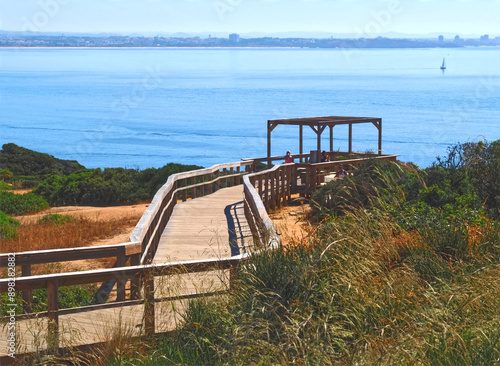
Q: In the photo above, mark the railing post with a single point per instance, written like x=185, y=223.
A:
x=184, y=192
x=135, y=282
x=278, y=188
x=149, y=303
x=120, y=282
x=53, y=307
x=217, y=183
x=284, y=184
x=260, y=185
x=233, y=273
x=266, y=191
x=27, y=295
x=224, y=173
x=237, y=180
x=202, y=187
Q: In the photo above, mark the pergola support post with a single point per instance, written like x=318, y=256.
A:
x=269, y=143
x=350, y=138
x=380, y=137
x=331, y=138
x=301, y=142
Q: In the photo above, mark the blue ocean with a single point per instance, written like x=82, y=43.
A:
x=141, y=108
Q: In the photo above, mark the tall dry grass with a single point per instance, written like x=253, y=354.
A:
x=81, y=232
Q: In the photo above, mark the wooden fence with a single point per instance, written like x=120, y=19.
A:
x=137, y=254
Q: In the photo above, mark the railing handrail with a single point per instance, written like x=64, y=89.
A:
x=347, y=161
x=71, y=254
x=102, y=275
x=307, y=155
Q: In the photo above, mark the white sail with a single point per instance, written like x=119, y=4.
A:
x=443, y=66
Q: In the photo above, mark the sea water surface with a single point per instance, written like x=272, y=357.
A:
x=141, y=108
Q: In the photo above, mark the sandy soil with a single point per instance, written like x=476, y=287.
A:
x=292, y=224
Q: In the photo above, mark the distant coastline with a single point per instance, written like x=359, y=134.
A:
x=235, y=41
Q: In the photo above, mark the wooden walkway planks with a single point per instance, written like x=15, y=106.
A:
x=213, y=226
x=205, y=228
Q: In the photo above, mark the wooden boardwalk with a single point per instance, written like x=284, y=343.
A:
x=202, y=228
x=213, y=226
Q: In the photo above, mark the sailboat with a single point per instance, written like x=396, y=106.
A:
x=443, y=66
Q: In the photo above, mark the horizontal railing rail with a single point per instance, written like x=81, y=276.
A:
x=126, y=252
x=71, y=254
x=306, y=157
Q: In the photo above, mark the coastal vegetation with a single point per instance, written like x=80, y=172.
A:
x=66, y=182
x=104, y=187
x=62, y=231
x=18, y=204
x=401, y=268
x=20, y=161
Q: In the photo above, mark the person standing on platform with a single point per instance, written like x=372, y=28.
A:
x=324, y=157
x=288, y=157
x=341, y=173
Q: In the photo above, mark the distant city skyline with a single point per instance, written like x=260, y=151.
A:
x=360, y=18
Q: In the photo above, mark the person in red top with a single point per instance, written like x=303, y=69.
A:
x=288, y=157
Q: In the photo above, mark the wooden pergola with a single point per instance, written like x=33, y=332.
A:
x=318, y=125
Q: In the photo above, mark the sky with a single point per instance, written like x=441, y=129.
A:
x=362, y=17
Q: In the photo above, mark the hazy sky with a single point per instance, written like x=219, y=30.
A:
x=365, y=17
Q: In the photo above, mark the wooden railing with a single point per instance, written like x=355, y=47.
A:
x=127, y=252
x=263, y=191
x=141, y=273
x=311, y=176
x=278, y=184
x=306, y=157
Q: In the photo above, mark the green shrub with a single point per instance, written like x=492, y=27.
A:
x=8, y=226
x=18, y=204
x=372, y=183
x=112, y=186
x=4, y=186
x=5, y=175
x=55, y=219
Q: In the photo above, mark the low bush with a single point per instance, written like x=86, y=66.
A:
x=18, y=204
x=56, y=219
x=4, y=186
x=8, y=226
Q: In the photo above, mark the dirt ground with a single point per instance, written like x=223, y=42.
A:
x=292, y=224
